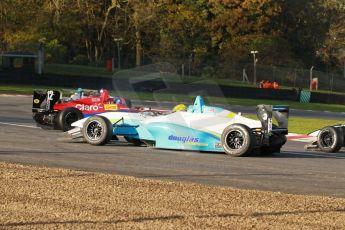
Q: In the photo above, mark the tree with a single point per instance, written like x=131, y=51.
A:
x=199, y=32
x=184, y=36
x=17, y=27
x=237, y=27
x=141, y=21
x=95, y=24
x=333, y=51
x=304, y=24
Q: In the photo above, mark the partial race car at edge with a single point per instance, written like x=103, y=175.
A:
x=329, y=139
x=51, y=110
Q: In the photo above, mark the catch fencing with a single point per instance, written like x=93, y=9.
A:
x=286, y=77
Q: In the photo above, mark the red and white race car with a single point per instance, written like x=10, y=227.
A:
x=51, y=110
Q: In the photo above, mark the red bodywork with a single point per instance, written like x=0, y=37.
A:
x=269, y=85
x=92, y=104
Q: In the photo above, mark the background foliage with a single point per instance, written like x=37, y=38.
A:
x=207, y=35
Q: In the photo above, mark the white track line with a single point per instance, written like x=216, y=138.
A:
x=26, y=126
x=14, y=95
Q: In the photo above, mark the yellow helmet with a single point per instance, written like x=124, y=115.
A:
x=180, y=107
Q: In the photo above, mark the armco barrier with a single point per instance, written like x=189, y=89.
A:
x=325, y=98
x=234, y=92
x=259, y=93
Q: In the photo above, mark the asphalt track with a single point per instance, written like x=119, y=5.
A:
x=292, y=171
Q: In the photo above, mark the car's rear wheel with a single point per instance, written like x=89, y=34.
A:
x=66, y=117
x=238, y=140
x=97, y=130
x=330, y=139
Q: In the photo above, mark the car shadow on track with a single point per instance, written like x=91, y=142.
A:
x=283, y=154
x=319, y=155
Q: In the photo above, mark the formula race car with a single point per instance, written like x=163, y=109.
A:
x=329, y=139
x=52, y=110
x=198, y=127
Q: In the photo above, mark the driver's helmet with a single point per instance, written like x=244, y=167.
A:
x=119, y=100
x=180, y=107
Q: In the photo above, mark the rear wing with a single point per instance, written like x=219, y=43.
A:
x=44, y=100
x=280, y=113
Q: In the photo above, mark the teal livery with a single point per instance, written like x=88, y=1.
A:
x=198, y=127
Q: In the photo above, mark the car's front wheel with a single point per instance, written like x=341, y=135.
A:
x=330, y=139
x=97, y=130
x=238, y=140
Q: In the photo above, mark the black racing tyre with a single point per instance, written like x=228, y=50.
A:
x=238, y=140
x=275, y=144
x=133, y=141
x=38, y=117
x=66, y=117
x=56, y=126
x=97, y=130
x=330, y=139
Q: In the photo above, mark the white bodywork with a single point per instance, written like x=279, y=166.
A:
x=209, y=122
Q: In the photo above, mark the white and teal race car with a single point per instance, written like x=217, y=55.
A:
x=200, y=128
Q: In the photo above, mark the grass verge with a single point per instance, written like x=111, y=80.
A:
x=305, y=126
x=42, y=198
